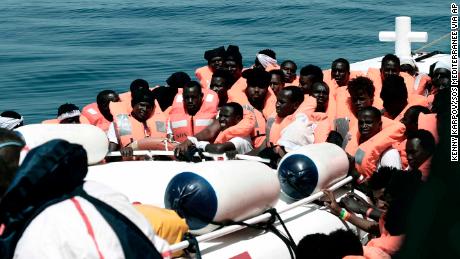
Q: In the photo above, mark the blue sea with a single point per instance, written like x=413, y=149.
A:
x=53, y=52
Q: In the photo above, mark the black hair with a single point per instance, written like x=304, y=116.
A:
x=418, y=109
x=277, y=72
x=320, y=83
x=345, y=242
x=426, y=139
x=226, y=75
x=142, y=96
x=314, y=71
x=314, y=246
x=217, y=52
x=268, y=52
x=341, y=60
x=391, y=57
x=375, y=112
x=393, y=87
x=11, y=114
x=67, y=107
x=233, y=53
x=101, y=97
x=380, y=178
x=193, y=84
x=164, y=96
x=361, y=83
x=178, y=79
x=334, y=137
x=297, y=95
x=138, y=84
x=257, y=77
x=288, y=61
x=237, y=108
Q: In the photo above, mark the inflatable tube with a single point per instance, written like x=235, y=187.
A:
x=92, y=138
x=219, y=191
x=140, y=181
x=312, y=168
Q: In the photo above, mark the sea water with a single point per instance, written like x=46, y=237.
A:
x=53, y=52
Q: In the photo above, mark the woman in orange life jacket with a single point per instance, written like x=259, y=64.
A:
x=215, y=58
x=420, y=147
x=289, y=69
x=277, y=80
x=165, y=95
x=136, y=125
x=98, y=114
x=266, y=59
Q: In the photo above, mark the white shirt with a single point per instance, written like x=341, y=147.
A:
x=242, y=145
x=60, y=231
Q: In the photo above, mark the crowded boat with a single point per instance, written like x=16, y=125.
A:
x=275, y=160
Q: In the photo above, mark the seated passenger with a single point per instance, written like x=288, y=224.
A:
x=409, y=66
x=215, y=58
x=221, y=81
x=193, y=110
x=309, y=75
x=98, y=113
x=289, y=69
x=277, y=82
x=68, y=113
x=321, y=117
x=339, y=75
x=136, y=85
x=420, y=147
x=266, y=59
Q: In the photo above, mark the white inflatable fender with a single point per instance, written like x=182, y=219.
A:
x=220, y=191
x=139, y=181
x=93, y=139
x=312, y=168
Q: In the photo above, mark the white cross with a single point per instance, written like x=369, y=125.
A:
x=403, y=36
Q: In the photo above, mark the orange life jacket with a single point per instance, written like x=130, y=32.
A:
x=333, y=86
x=308, y=105
x=323, y=126
x=420, y=81
x=237, y=94
x=429, y=122
x=368, y=153
x=184, y=125
x=295, y=82
x=374, y=75
x=204, y=75
x=412, y=100
x=95, y=117
x=128, y=129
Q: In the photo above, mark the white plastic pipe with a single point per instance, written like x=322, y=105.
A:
x=403, y=36
x=255, y=220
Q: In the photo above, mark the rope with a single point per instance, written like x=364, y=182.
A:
x=432, y=43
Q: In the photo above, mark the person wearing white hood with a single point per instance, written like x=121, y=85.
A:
x=11, y=120
x=441, y=75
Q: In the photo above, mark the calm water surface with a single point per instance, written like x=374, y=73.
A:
x=52, y=52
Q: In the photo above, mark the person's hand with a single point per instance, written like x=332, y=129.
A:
x=182, y=148
x=331, y=203
x=126, y=151
x=354, y=203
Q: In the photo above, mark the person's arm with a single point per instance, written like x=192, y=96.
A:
x=220, y=148
x=210, y=132
x=355, y=203
x=366, y=225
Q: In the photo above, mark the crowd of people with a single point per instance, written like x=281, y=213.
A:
x=386, y=120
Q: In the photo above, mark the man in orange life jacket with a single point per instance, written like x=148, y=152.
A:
x=221, y=81
x=215, y=58
x=192, y=111
x=165, y=95
x=309, y=75
x=137, y=125
x=289, y=69
x=277, y=81
x=98, y=114
x=394, y=96
x=340, y=71
x=420, y=147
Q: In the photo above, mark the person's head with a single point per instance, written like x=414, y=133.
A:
x=192, y=97
x=221, y=81
x=420, y=146
x=340, y=71
x=264, y=57
x=138, y=84
x=320, y=91
x=410, y=119
x=233, y=61
x=288, y=100
x=361, y=90
x=10, y=149
x=215, y=58
x=289, y=69
x=441, y=75
x=16, y=119
x=314, y=246
x=369, y=123
x=377, y=184
x=258, y=81
x=68, y=113
x=277, y=80
x=309, y=75
x=345, y=242
x=230, y=114
x=334, y=137
x=390, y=66
x=178, y=79
x=103, y=100
x=142, y=103
x=408, y=65
x=394, y=95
